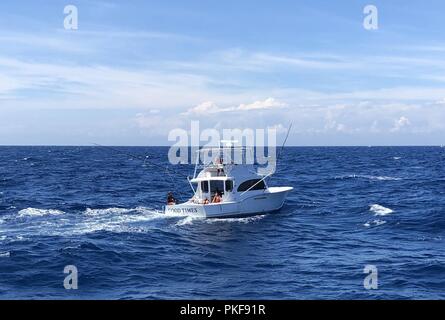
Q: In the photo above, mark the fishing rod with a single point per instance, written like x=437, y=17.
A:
x=144, y=164
x=285, y=140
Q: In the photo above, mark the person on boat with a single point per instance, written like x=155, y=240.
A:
x=217, y=198
x=170, y=199
x=205, y=201
x=220, y=169
x=194, y=199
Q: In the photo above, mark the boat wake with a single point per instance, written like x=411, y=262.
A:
x=53, y=222
x=237, y=220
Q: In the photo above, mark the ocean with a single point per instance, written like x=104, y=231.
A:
x=98, y=209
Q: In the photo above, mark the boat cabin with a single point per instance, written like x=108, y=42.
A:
x=226, y=177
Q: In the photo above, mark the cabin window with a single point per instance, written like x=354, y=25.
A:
x=229, y=185
x=246, y=185
x=204, y=186
x=216, y=185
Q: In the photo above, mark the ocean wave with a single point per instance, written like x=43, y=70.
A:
x=368, y=177
x=116, y=220
x=34, y=212
x=191, y=219
x=106, y=211
x=380, y=210
x=6, y=254
x=374, y=223
x=237, y=220
x=124, y=211
x=11, y=238
x=188, y=220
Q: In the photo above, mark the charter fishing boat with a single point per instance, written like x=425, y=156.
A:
x=224, y=188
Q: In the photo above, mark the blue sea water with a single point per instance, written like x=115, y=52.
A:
x=98, y=209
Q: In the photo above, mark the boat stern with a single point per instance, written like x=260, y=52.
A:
x=186, y=208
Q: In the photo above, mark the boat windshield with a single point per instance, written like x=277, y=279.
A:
x=216, y=186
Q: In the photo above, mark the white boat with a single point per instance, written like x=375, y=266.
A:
x=244, y=192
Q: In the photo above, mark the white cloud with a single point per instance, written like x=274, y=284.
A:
x=400, y=123
x=269, y=103
x=312, y=61
x=227, y=87
x=209, y=107
x=331, y=122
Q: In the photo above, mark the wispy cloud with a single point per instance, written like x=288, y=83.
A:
x=152, y=69
x=209, y=107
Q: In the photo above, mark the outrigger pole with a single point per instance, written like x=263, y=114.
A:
x=285, y=140
x=278, y=156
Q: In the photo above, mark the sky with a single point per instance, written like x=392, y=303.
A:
x=133, y=71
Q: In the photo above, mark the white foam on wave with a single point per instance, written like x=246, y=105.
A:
x=380, y=210
x=12, y=238
x=238, y=220
x=397, y=158
x=106, y=211
x=188, y=220
x=91, y=220
x=368, y=177
x=34, y=212
x=116, y=220
x=127, y=212
x=374, y=223
x=6, y=254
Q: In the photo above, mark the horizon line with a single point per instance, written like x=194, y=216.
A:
x=157, y=146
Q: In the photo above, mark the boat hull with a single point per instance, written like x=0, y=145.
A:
x=259, y=203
